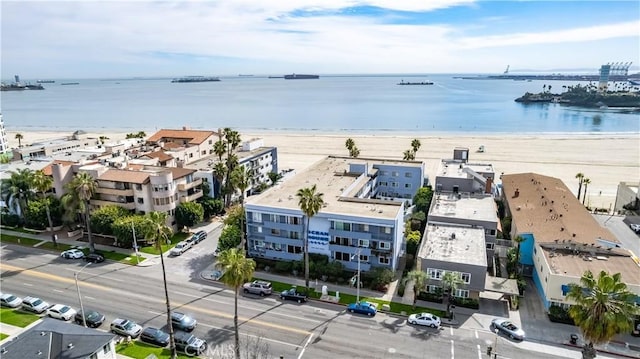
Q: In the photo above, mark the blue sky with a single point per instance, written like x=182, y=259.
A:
x=99, y=39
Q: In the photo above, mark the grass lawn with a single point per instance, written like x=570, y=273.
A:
x=138, y=349
x=19, y=240
x=20, y=229
x=178, y=237
x=349, y=298
x=3, y=336
x=16, y=317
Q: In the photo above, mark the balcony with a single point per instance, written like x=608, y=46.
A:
x=125, y=205
x=190, y=185
x=191, y=198
x=114, y=191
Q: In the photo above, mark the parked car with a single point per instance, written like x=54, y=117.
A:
x=426, y=319
x=259, y=287
x=61, y=311
x=94, y=319
x=10, y=300
x=506, y=327
x=189, y=343
x=125, y=328
x=35, y=305
x=72, y=254
x=154, y=336
x=363, y=307
x=94, y=257
x=294, y=294
x=197, y=237
x=180, y=248
x=183, y=322
x=635, y=227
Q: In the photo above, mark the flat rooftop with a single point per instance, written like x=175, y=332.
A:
x=332, y=178
x=458, y=169
x=570, y=264
x=477, y=208
x=454, y=244
x=209, y=161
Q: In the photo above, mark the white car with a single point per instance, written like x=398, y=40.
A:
x=635, y=227
x=10, y=300
x=61, y=311
x=180, y=248
x=34, y=304
x=72, y=254
x=426, y=319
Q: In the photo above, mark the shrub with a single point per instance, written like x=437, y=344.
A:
x=559, y=315
x=430, y=297
x=401, y=287
x=189, y=214
x=211, y=206
x=379, y=278
x=283, y=267
x=229, y=238
x=10, y=220
x=124, y=234
x=466, y=302
x=103, y=218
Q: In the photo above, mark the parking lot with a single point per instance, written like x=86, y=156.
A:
x=616, y=224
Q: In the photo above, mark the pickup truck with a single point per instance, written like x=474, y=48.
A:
x=294, y=294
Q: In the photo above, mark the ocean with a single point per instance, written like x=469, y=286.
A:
x=358, y=104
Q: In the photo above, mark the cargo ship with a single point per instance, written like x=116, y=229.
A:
x=195, y=79
x=46, y=81
x=402, y=83
x=300, y=77
x=19, y=86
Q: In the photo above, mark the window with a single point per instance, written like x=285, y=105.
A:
x=341, y=256
x=384, y=245
x=535, y=251
x=363, y=243
x=259, y=229
x=191, y=155
x=294, y=249
x=394, y=184
x=259, y=244
x=277, y=247
x=432, y=289
x=407, y=185
x=106, y=348
x=138, y=187
x=294, y=220
x=383, y=260
x=384, y=173
x=462, y=293
x=273, y=218
x=466, y=277
x=383, y=184
x=408, y=174
x=140, y=200
x=489, y=246
x=364, y=258
x=493, y=232
x=342, y=226
x=275, y=232
x=294, y=235
x=435, y=273
x=387, y=230
x=256, y=216
x=394, y=174
x=204, y=152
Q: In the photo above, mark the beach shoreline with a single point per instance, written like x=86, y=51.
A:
x=605, y=158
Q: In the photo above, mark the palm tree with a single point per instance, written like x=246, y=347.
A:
x=518, y=240
x=419, y=283
x=79, y=193
x=310, y=203
x=349, y=143
x=409, y=155
x=219, y=148
x=236, y=270
x=585, y=182
x=354, y=152
x=580, y=177
x=241, y=180
x=451, y=281
x=415, y=145
x=16, y=190
x=19, y=137
x=42, y=184
x=102, y=139
x=603, y=308
x=156, y=229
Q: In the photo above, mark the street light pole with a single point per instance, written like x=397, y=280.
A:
x=495, y=349
x=75, y=275
x=358, y=276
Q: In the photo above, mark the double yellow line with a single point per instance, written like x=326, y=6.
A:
x=33, y=273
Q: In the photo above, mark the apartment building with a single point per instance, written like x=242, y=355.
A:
x=458, y=249
x=360, y=218
x=562, y=239
x=185, y=145
x=60, y=146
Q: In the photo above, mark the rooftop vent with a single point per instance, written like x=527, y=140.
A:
x=70, y=346
x=573, y=235
x=3, y=351
x=453, y=236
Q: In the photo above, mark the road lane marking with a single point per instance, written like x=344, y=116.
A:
x=479, y=352
x=58, y=291
x=452, y=352
x=88, y=297
x=476, y=333
x=451, y=330
x=35, y=273
x=305, y=346
x=28, y=284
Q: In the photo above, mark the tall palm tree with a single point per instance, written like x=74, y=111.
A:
x=102, y=139
x=451, y=281
x=603, y=308
x=16, y=190
x=580, y=177
x=419, y=283
x=241, y=180
x=236, y=270
x=518, y=240
x=585, y=182
x=156, y=229
x=19, y=137
x=354, y=152
x=408, y=155
x=310, y=203
x=219, y=148
x=349, y=143
x=79, y=193
x=219, y=172
x=415, y=145
x=42, y=184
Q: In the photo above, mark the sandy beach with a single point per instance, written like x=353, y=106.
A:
x=606, y=159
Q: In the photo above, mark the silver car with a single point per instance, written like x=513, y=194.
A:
x=10, y=300
x=125, y=328
x=507, y=327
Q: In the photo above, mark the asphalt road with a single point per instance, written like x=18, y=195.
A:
x=312, y=330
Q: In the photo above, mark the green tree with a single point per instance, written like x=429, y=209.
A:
x=219, y=148
x=236, y=270
x=230, y=237
x=19, y=137
x=189, y=214
x=219, y=173
x=419, y=279
x=422, y=199
x=580, y=177
x=103, y=218
x=603, y=308
x=102, y=139
x=123, y=229
x=349, y=144
x=310, y=201
x=354, y=152
x=42, y=184
x=235, y=217
x=231, y=140
x=415, y=145
x=211, y=206
x=77, y=198
x=39, y=211
x=241, y=180
x=156, y=229
x=274, y=177
x=408, y=155
x=413, y=241
x=451, y=282
x=16, y=190
x=518, y=240
x=586, y=183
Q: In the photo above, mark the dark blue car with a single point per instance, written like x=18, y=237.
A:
x=363, y=307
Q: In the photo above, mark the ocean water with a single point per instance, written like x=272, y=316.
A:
x=366, y=104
